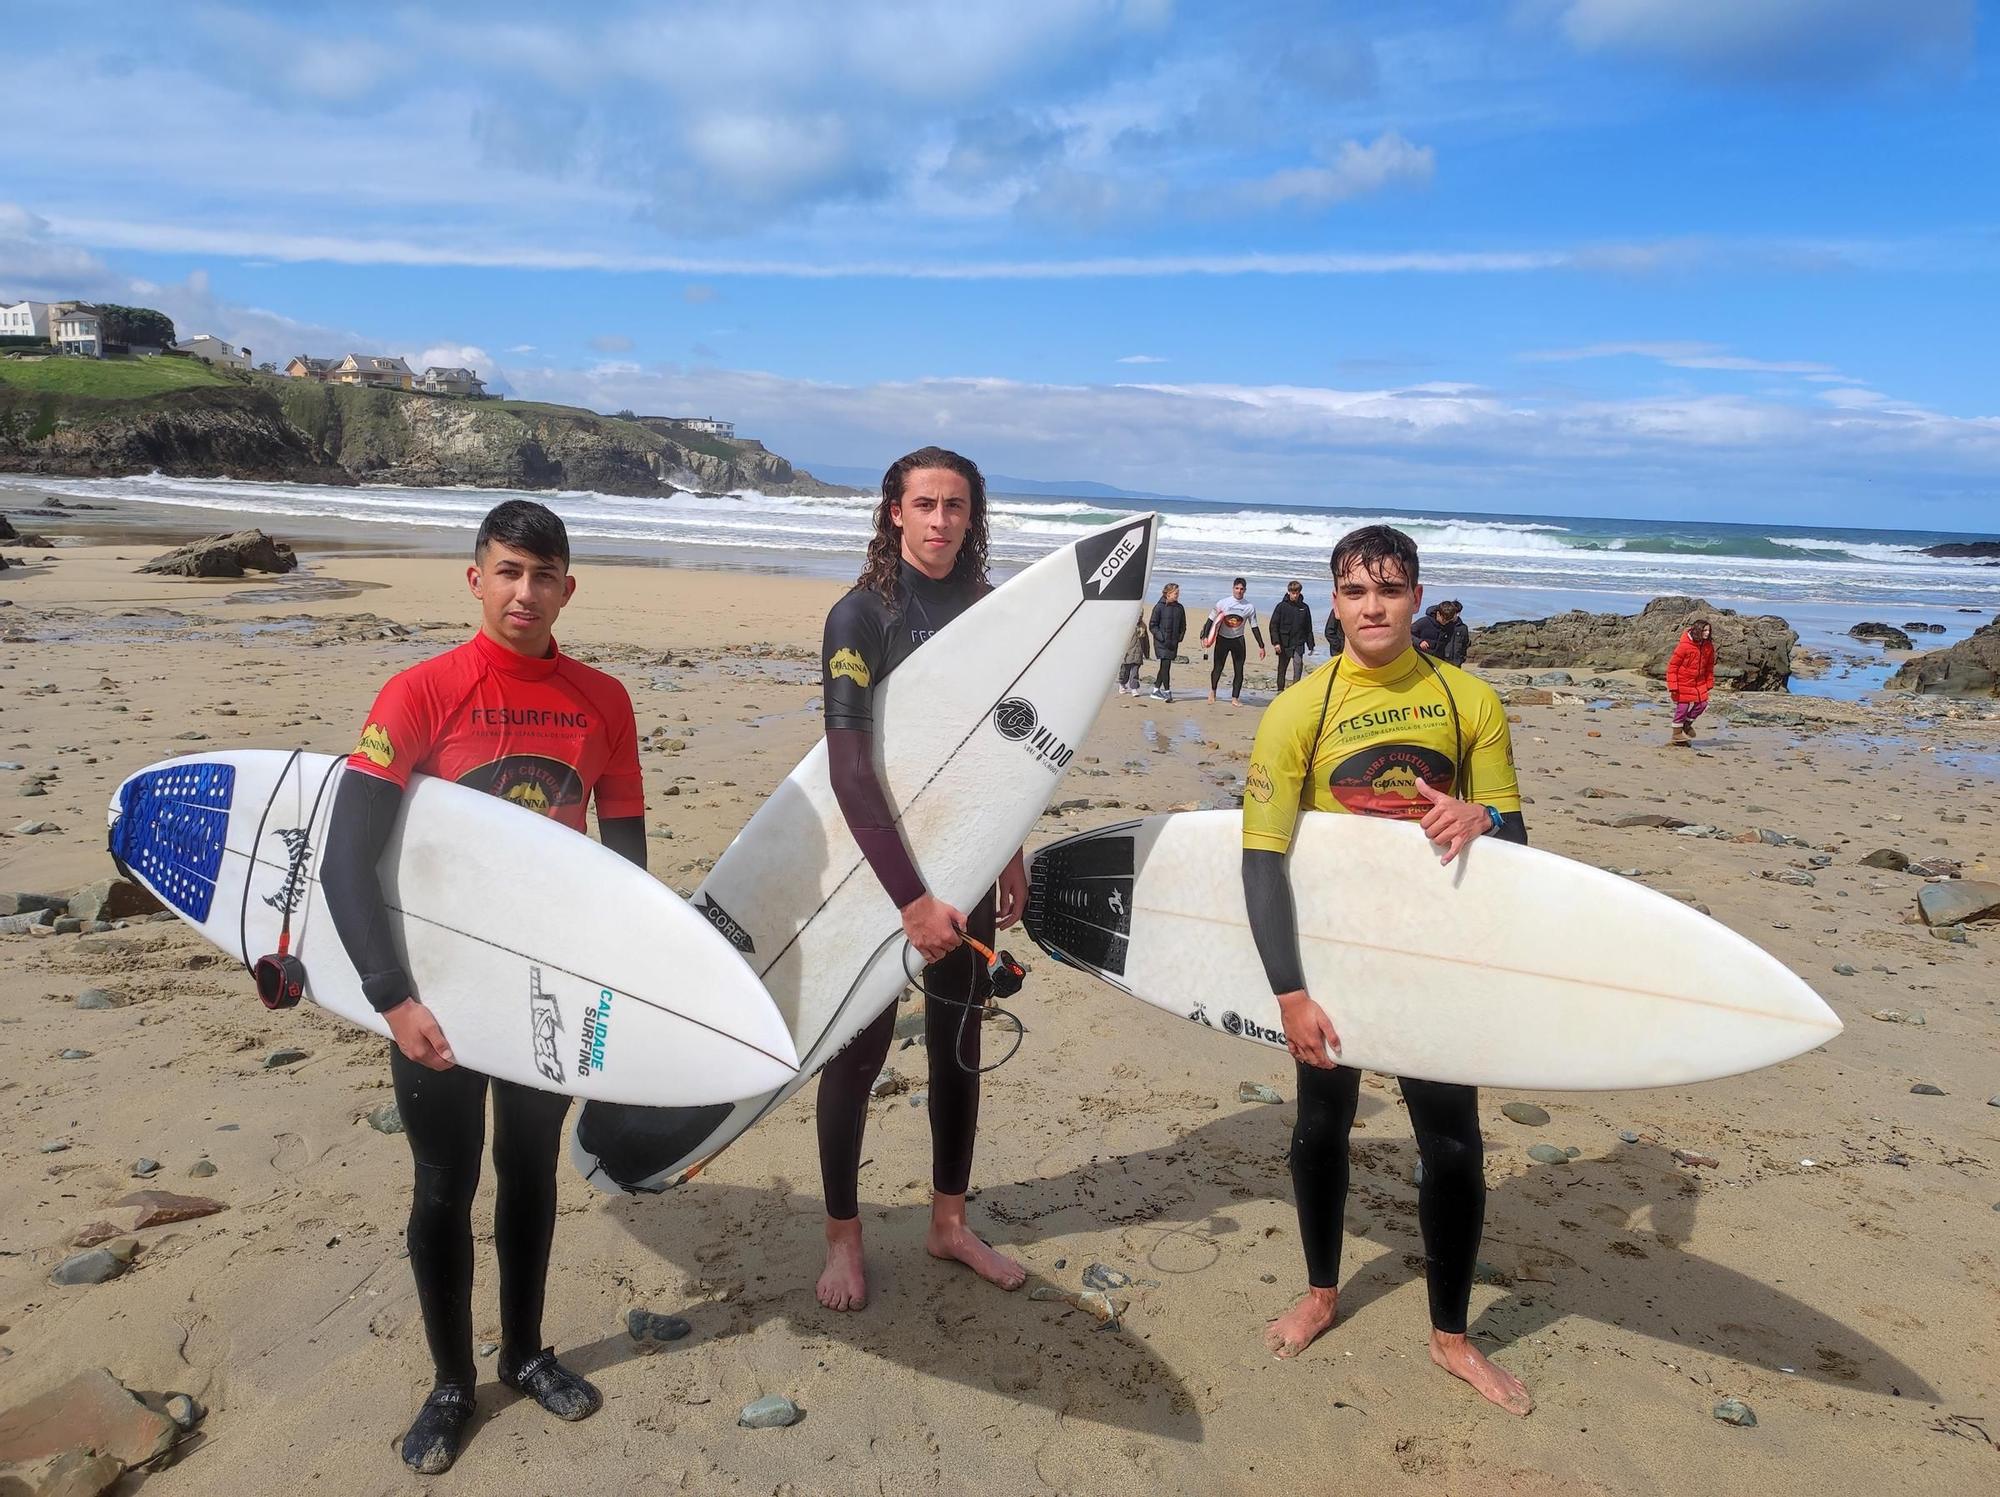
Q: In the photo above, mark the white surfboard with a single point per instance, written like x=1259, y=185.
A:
x=1510, y=967
x=547, y=958
x=972, y=732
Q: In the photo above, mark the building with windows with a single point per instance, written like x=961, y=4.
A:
x=213, y=350
x=306, y=367
x=26, y=319
x=371, y=369
x=706, y=425
x=80, y=331
x=463, y=382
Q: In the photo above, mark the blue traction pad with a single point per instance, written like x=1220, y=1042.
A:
x=172, y=825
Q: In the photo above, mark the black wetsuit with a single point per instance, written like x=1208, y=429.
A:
x=866, y=639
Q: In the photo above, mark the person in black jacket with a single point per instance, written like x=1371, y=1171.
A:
x=1336, y=637
x=1292, y=633
x=1169, y=627
x=1441, y=633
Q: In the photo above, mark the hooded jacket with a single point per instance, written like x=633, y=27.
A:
x=1169, y=628
x=1442, y=641
x=1291, y=624
x=1691, y=670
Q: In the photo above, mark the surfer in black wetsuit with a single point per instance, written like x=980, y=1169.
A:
x=926, y=565
x=455, y=717
x=1321, y=747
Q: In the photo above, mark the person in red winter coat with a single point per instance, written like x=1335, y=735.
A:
x=1690, y=678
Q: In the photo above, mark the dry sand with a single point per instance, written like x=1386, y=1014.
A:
x=1850, y=1300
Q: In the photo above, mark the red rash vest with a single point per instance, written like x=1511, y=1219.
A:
x=544, y=734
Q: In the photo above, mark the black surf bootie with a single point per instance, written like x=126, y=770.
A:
x=433, y=1440
x=563, y=1393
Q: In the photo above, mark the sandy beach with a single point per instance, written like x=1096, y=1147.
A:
x=1838, y=1268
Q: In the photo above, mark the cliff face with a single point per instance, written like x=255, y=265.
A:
x=293, y=429
x=1751, y=653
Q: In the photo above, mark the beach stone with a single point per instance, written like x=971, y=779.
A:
x=1794, y=876
x=201, y=1169
x=1934, y=868
x=142, y=1167
x=1886, y=857
x=158, y=1208
x=1890, y=636
x=1751, y=653
x=184, y=1411
x=35, y=828
x=1897, y=1016
x=100, y=998
x=1925, y=1089
x=1960, y=900
x=55, y=1146
x=1530, y=696
x=1103, y=1277
x=1547, y=1154
x=1552, y=678
x=279, y=1059
x=386, y=1119
x=228, y=555
x=1736, y=1411
x=773, y=1412
x=1525, y=1113
x=92, y=1411
x=95, y=1233
x=1649, y=818
x=33, y=788
x=91, y=1266
x=650, y=1330
x=29, y=904
x=1843, y=969
x=68, y=925
x=1627, y=1136
x=1256, y=1091
x=73, y=1054
x=112, y=899
x=1699, y=1161
x=487, y=1348
x=74, y=1473
x=1952, y=933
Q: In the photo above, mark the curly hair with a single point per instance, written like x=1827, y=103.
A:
x=885, y=548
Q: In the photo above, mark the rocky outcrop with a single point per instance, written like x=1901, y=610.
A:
x=225, y=556
x=1969, y=668
x=7, y=531
x=1966, y=550
x=1752, y=653
x=1890, y=637
x=230, y=432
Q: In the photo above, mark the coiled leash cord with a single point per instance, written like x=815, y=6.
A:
x=1003, y=972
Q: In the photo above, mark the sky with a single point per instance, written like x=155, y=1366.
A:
x=1695, y=259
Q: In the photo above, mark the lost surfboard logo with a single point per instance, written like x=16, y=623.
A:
x=544, y=1023
x=297, y=849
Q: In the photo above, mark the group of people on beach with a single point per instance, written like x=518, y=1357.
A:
x=1440, y=633
x=508, y=705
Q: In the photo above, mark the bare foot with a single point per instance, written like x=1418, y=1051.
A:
x=1493, y=1382
x=1303, y=1324
x=950, y=1238
x=844, y=1283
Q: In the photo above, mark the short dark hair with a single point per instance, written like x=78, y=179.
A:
x=525, y=526
x=1240, y=582
x=1371, y=548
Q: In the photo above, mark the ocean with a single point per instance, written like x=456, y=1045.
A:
x=1822, y=579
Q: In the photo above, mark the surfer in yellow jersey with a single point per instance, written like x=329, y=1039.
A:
x=1380, y=730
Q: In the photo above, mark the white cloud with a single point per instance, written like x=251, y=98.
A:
x=1686, y=356
x=1348, y=170
x=1142, y=358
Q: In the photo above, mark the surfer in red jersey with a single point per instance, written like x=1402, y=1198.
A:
x=1381, y=730
x=507, y=713
x=926, y=565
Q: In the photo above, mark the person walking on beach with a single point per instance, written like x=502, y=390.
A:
x=1690, y=679
x=926, y=565
x=1292, y=632
x=1137, y=648
x=510, y=714
x=1223, y=638
x=1441, y=633
x=1381, y=730
x=1169, y=627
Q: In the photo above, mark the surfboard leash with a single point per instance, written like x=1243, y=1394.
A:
x=1003, y=973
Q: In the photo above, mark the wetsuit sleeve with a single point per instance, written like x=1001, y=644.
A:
x=624, y=835
x=850, y=760
x=1267, y=894
x=1275, y=781
x=1255, y=632
x=401, y=728
x=365, y=807
x=621, y=789
x=1490, y=766
x=850, y=657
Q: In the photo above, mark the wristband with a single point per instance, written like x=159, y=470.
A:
x=1499, y=824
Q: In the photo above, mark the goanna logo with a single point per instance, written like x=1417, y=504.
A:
x=1019, y=721
x=1250, y=1029
x=848, y=663
x=596, y=1024
x=297, y=849
x=545, y=1023
x=732, y=932
x=375, y=746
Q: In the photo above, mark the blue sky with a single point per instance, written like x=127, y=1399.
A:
x=1729, y=259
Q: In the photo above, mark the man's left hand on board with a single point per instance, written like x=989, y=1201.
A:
x=1451, y=823
x=1013, y=902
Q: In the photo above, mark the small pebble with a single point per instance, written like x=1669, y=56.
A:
x=1525, y=1113
x=651, y=1330
x=100, y=998
x=487, y=1348
x=1256, y=1091
x=1925, y=1089
x=1572, y=1151
x=1736, y=1411
x=1103, y=1276
x=184, y=1411
x=1547, y=1154
x=1843, y=969
x=74, y=1055
x=285, y=1057
x=386, y=1119
x=55, y=1146
x=1271, y=1278
x=143, y=1167
x=1689, y=1156
x=774, y=1412
x=201, y=1169
x=1627, y=1136
x=92, y=1266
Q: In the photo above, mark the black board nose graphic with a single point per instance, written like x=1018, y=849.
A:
x=1080, y=901
x=1113, y=565
x=632, y=1144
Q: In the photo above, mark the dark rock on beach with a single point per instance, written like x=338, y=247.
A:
x=1966, y=550
x=230, y=555
x=1958, y=900
x=1752, y=653
x=1889, y=635
x=1969, y=668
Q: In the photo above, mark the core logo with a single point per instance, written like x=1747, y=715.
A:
x=375, y=746
x=544, y=1022
x=1250, y=1029
x=1112, y=565
x=848, y=663
x=596, y=1020
x=732, y=932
